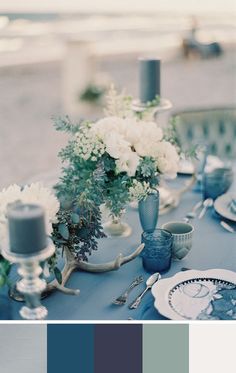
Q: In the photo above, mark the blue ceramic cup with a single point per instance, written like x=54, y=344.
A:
x=156, y=254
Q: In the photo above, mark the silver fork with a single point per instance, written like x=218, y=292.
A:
x=122, y=299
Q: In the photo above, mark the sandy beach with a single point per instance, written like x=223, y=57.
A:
x=31, y=95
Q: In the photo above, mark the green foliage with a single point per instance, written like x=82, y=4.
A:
x=80, y=191
x=78, y=230
x=171, y=135
x=5, y=268
x=147, y=167
x=147, y=171
x=93, y=93
x=116, y=192
x=64, y=124
x=155, y=102
x=148, y=109
x=58, y=274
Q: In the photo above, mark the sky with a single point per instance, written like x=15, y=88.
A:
x=180, y=6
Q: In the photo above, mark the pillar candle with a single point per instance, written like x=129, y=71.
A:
x=27, y=233
x=150, y=79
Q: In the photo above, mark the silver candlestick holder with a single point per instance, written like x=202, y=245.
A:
x=162, y=106
x=31, y=285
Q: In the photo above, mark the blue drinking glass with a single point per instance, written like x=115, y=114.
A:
x=217, y=182
x=148, y=211
x=156, y=254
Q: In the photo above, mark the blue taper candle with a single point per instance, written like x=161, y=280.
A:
x=27, y=232
x=150, y=79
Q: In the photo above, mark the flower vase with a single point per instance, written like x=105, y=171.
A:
x=115, y=227
x=148, y=211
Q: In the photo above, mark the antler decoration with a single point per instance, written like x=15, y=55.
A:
x=73, y=264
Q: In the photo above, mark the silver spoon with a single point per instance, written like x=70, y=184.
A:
x=206, y=204
x=227, y=227
x=150, y=281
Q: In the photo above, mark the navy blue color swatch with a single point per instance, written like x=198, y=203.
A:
x=118, y=349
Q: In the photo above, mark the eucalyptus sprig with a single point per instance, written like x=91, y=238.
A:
x=64, y=124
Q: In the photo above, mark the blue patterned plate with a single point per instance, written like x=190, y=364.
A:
x=197, y=295
x=222, y=206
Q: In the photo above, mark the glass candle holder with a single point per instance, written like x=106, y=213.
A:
x=156, y=255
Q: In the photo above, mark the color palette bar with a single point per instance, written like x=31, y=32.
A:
x=118, y=348
x=129, y=348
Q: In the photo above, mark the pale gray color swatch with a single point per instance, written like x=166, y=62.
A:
x=23, y=348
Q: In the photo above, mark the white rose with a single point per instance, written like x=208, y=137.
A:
x=116, y=145
x=105, y=125
x=37, y=193
x=128, y=162
x=143, y=148
x=167, y=158
x=133, y=131
x=149, y=139
x=7, y=196
x=151, y=131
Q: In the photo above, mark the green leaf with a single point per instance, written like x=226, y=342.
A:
x=58, y=275
x=64, y=231
x=75, y=218
x=6, y=266
x=59, y=240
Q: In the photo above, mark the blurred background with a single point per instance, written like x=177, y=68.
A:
x=60, y=57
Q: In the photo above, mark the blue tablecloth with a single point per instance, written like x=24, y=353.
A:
x=213, y=247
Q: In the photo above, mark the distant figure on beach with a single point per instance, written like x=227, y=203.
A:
x=192, y=47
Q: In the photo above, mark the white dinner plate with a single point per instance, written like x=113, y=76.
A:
x=222, y=206
x=196, y=295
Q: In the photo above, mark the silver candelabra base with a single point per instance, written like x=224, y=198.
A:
x=31, y=285
x=163, y=106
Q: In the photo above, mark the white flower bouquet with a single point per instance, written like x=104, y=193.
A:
x=129, y=142
x=35, y=193
x=117, y=156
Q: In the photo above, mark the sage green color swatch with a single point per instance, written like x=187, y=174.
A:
x=166, y=348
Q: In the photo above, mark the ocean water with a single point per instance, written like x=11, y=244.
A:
x=28, y=24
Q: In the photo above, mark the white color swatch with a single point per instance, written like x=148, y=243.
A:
x=23, y=348
x=212, y=348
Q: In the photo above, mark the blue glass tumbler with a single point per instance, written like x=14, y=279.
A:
x=148, y=211
x=156, y=254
